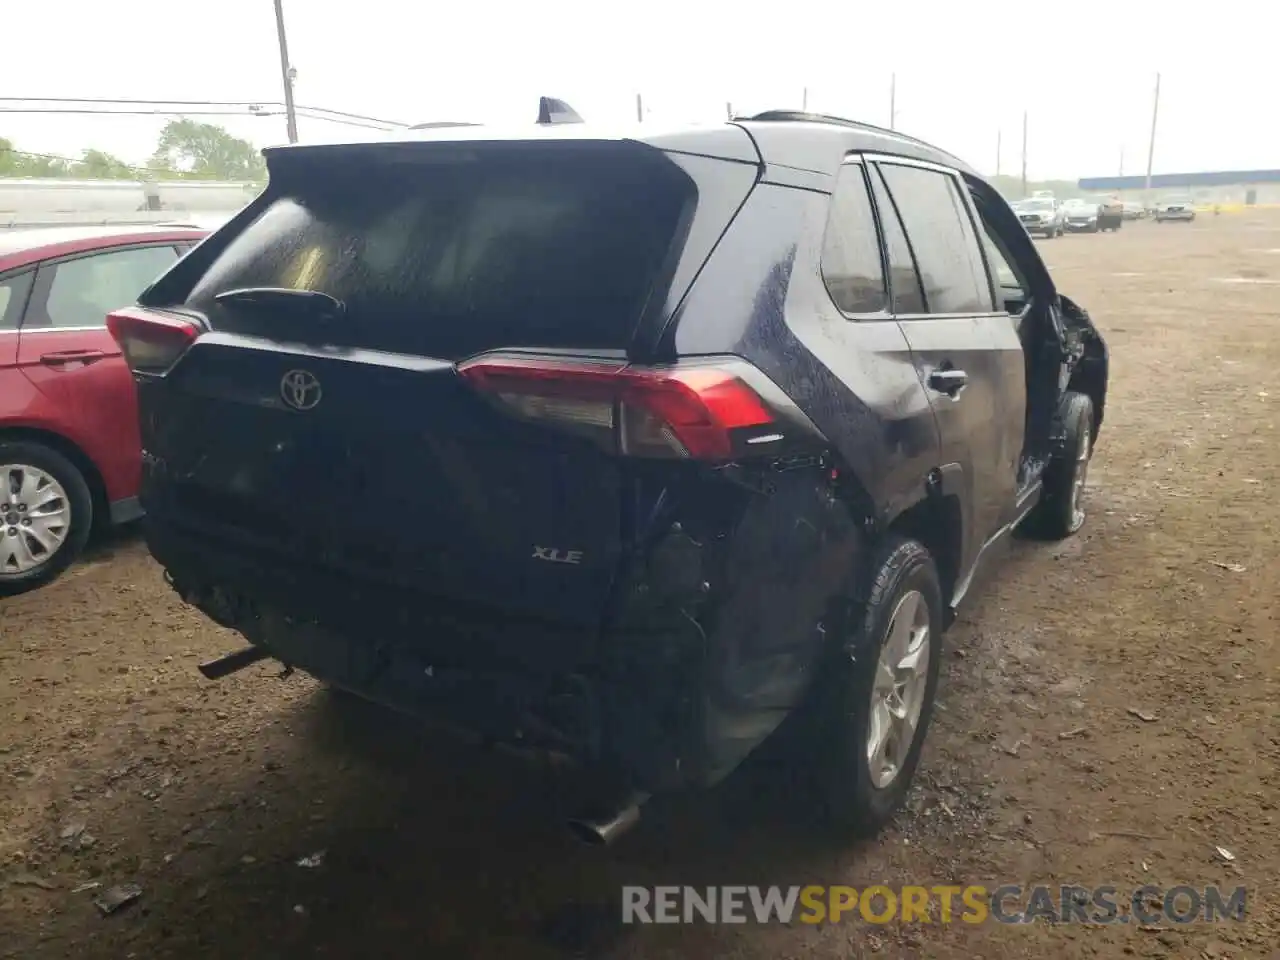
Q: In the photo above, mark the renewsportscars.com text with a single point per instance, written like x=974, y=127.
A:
x=1009, y=903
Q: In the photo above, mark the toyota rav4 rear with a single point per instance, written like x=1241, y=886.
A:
x=402, y=431
x=520, y=434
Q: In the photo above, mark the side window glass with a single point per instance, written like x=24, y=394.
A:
x=904, y=278
x=13, y=298
x=942, y=238
x=84, y=291
x=1006, y=275
x=851, y=264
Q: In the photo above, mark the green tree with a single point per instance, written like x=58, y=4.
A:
x=16, y=163
x=8, y=159
x=206, y=151
x=100, y=165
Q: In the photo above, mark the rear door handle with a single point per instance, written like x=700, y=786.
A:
x=948, y=381
x=71, y=356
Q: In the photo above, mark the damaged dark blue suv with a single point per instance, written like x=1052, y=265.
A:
x=629, y=447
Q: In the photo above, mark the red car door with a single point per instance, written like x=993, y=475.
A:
x=64, y=349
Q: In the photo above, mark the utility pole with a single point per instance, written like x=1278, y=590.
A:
x=804, y=100
x=286, y=72
x=893, y=101
x=1122, y=159
x=1151, y=148
x=639, y=109
x=728, y=110
x=1024, y=153
x=999, y=134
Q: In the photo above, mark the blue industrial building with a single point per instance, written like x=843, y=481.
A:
x=1215, y=186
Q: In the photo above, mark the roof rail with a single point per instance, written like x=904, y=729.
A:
x=801, y=116
x=551, y=110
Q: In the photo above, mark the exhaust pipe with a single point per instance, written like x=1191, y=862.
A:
x=232, y=662
x=600, y=831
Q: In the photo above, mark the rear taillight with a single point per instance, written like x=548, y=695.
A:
x=152, y=342
x=699, y=412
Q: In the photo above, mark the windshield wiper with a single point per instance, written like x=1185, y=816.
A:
x=313, y=303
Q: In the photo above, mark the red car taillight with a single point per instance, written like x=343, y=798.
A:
x=152, y=342
x=686, y=413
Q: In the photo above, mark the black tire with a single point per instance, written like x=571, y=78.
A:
x=68, y=476
x=1060, y=512
x=854, y=804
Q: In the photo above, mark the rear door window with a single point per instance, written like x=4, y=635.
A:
x=13, y=298
x=538, y=247
x=904, y=278
x=942, y=237
x=851, y=265
x=83, y=291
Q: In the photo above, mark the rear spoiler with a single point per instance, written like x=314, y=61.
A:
x=551, y=110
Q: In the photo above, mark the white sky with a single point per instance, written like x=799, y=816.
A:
x=1083, y=71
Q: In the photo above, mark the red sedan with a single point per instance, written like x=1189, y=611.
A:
x=70, y=457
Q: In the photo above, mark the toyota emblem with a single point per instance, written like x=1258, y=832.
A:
x=300, y=389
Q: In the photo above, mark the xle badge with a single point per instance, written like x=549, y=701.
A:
x=556, y=555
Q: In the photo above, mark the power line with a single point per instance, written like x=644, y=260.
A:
x=129, y=113
x=302, y=111
x=197, y=103
x=74, y=162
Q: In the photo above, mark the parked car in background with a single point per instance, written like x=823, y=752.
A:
x=1080, y=215
x=717, y=447
x=1134, y=210
x=70, y=457
x=1175, y=209
x=1041, y=216
x=1110, y=213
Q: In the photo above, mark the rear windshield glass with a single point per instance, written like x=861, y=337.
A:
x=544, y=248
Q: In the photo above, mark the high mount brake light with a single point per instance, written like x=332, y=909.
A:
x=676, y=412
x=151, y=342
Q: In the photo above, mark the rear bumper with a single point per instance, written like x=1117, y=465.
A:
x=1177, y=215
x=709, y=640
x=528, y=684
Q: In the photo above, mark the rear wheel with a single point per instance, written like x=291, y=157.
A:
x=46, y=514
x=874, y=716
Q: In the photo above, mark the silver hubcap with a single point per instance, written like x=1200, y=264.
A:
x=897, y=695
x=35, y=518
x=1081, y=475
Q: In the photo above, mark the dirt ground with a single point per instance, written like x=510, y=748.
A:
x=1108, y=716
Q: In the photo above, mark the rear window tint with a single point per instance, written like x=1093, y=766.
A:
x=13, y=298
x=942, y=239
x=851, y=264
x=904, y=279
x=540, y=248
